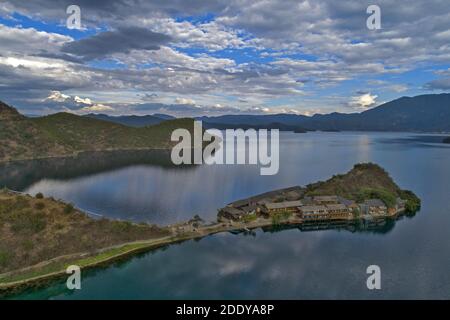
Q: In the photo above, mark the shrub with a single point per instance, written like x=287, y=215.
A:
x=122, y=226
x=39, y=205
x=29, y=222
x=4, y=258
x=28, y=245
x=249, y=217
x=413, y=203
x=387, y=197
x=68, y=208
x=277, y=218
x=39, y=195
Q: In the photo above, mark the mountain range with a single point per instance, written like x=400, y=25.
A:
x=423, y=113
x=62, y=134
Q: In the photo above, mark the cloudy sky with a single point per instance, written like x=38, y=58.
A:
x=192, y=57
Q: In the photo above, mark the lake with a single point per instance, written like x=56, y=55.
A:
x=413, y=252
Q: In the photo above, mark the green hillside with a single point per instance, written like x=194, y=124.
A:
x=65, y=134
x=365, y=181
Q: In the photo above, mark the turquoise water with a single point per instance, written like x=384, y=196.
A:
x=413, y=253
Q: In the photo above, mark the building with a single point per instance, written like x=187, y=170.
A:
x=231, y=213
x=374, y=207
x=323, y=200
x=400, y=204
x=309, y=213
x=289, y=206
x=338, y=211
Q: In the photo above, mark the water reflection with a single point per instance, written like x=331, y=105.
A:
x=238, y=265
x=414, y=254
x=22, y=174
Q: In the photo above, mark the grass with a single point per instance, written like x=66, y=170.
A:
x=61, y=266
x=279, y=217
x=249, y=218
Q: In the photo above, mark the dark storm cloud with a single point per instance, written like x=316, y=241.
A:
x=122, y=40
x=118, y=11
x=61, y=56
x=438, y=84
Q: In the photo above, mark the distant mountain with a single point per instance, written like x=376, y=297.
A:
x=244, y=126
x=424, y=113
x=288, y=119
x=66, y=134
x=132, y=120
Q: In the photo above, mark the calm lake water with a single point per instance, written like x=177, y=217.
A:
x=413, y=253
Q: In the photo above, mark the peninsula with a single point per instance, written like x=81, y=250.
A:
x=40, y=237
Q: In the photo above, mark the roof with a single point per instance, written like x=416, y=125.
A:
x=339, y=206
x=284, y=204
x=249, y=208
x=345, y=201
x=326, y=198
x=374, y=203
x=314, y=208
x=232, y=210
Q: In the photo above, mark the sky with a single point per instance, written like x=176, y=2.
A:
x=214, y=57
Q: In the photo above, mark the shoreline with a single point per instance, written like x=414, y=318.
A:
x=76, y=154
x=43, y=273
x=47, y=271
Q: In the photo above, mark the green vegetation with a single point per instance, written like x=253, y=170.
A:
x=35, y=230
x=249, y=218
x=39, y=205
x=65, y=134
x=365, y=181
x=279, y=217
x=413, y=203
x=389, y=198
x=4, y=258
x=68, y=208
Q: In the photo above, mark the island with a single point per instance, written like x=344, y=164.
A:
x=446, y=140
x=40, y=236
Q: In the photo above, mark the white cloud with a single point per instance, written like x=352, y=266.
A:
x=364, y=101
x=184, y=101
x=97, y=108
x=83, y=101
x=29, y=40
x=75, y=103
x=57, y=96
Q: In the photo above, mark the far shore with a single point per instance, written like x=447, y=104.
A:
x=77, y=153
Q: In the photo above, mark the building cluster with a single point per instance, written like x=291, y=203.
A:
x=329, y=207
